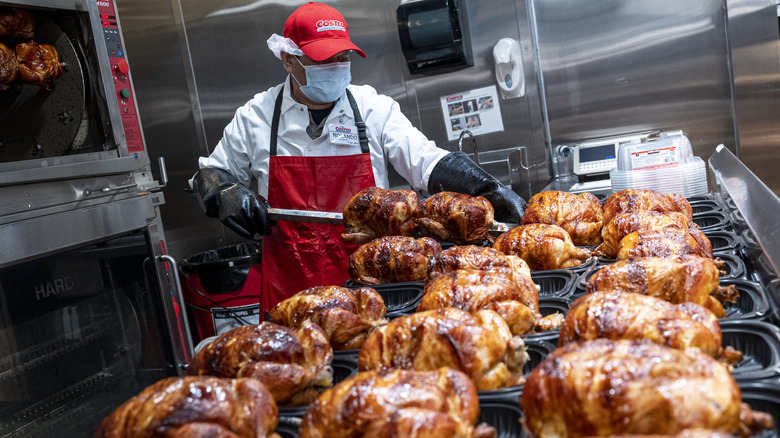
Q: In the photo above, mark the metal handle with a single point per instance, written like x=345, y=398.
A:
x=163, y=173
x=88, y=192
x=174, y=272
x=473, y=143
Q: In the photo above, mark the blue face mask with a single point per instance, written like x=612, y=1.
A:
x=325, y=83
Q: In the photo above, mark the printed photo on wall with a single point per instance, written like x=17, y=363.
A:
x=476, y=110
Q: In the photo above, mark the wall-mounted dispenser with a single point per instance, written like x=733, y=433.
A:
x=434, y=35
x=510, y=75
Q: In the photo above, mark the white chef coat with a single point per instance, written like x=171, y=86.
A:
x=244, y=147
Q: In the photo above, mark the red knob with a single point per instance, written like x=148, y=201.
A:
x=122, y=67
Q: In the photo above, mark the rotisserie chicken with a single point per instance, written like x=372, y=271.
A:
x=478, y=344
x=665, y=242
x=375, y=212
x=689, y=279
x=347, y=316
x=481, y=258
x=39, y=64
x=580, y=215
x=542, y=246
x=625, y=315
x=624, y=224
x=397, y=403
x=8, y=66
x=17, y=23
x=392, y=259
x=195, y=407
x=472, y=290
x=631, y=200
x=293, y=364
x=456, y=217
x=608, y=388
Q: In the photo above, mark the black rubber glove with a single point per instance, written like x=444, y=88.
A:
x=457, y=173
x=221, y=196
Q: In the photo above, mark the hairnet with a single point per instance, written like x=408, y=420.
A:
x=278, y=43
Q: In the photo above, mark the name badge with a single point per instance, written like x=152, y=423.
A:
x=343, y=134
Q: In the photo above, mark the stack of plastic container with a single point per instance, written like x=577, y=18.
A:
x=666, y=165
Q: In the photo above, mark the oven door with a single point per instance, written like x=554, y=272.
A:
x=84, y=321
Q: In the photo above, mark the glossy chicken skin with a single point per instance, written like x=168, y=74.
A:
x=347, y=316
x=624, y=224
x=480, y=345
x=686, y=280
x=17, y=23
x=473, y=290
x=456, y=217
x=397, y=403
x=195, y=407
x=375, y=212
x=606, y=388
x=392, y=259
x=8, y=66
x=293, y=364
x=665, y=242
x=580, y=215
x=39, y=64
x=632, y=316
x=542, y=246
x=479, y=258
x=631, y=200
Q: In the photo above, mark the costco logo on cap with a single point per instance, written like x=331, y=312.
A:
x=324, y=25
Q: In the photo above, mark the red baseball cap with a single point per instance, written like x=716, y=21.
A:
x=320, y=31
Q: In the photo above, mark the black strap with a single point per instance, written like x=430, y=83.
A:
x=361, y=125
x=275, y=120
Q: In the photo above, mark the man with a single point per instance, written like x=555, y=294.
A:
x=311, y=143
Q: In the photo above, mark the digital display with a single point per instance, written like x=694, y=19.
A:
x=597, y=153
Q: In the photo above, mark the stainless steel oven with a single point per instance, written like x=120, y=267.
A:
x=89, y=300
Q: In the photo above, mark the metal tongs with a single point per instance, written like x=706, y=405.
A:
x=327, y=217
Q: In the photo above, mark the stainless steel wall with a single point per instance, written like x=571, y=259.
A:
x=606, y=67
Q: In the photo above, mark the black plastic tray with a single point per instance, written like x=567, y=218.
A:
x=538, y=350
x=734, y=267
x=704, y=206
x=400, y=298
x=759, y=343
x=548, y=306
x=713, y=220
x=751, y=304
x=581, y=267
x=555, y=283
x=722, y=240
x=764, y=397
x=504, y=416
x=287, y=427
x=342, y=368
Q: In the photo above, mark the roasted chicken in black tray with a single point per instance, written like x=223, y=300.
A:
x=473, y=290
x=608, y=388
x=346, y=316
x=295, y=365
x=626, y=315
x=623, y=224
x=392, y=259
x=478, y=344
x=397, y=403
x=542, y=246
x=631, y=200
x=580, y=215
x=481, y=258
x=665, y=242
x=689, y=279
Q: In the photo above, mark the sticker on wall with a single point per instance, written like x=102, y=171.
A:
x=475, y=110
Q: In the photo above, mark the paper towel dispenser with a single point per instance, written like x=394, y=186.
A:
x=434, y=35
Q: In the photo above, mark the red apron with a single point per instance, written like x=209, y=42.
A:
x=300, y=255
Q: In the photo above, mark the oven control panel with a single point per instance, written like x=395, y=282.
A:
x=120, y=71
